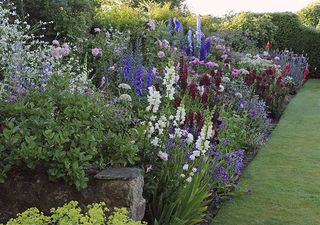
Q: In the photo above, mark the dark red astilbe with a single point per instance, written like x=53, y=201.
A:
x=193, y=91
x=177, y=101
x=199, y=119
x=218, y=82
x=219, y=72
x=190, y=119
x=205, y=98
x=181, y=63
x=184, y=77
x=205, y=81
x=212, y=73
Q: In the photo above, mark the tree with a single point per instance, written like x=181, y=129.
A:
x=310, y=15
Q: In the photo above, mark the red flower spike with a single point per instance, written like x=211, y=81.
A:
x=218, y=82
x=212, y=73
x=184, y=77
x=177, y=101
x=191, y=119
x=199, y=120
x=193, y=91
x=205, y=98
x=205, y=81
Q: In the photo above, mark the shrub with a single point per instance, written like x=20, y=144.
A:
x=70, y=213
x=64, y=132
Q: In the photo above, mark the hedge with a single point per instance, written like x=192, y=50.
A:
x=291, y=34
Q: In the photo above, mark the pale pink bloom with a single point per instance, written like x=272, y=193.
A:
x=211, y=64
x=161, y=54
x=56, y=43
x=96, y=52
x=163, y=156
x=97, y=30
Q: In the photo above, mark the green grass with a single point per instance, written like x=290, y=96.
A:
x=285, y=175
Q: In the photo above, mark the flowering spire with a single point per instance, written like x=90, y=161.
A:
x=198, y=31
x=190, y=42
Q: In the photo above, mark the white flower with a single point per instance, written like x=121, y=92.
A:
x=265, y=53
x=192, y=157
x=153, y=118
x=125, y=98
x=169, y=81
x=225, y=79
x=244, y=71
x=276, y=58
x=238, y=94
x=185, y=167
x=221, y=88
x=182, y=175
x=163, y=156
x=155, y=142
x=196, y=153
x=189, y=179
x=201, y=90
x=154, y=100
x=124, y=86
x=194, y=170
x=180, y=116
x=191, y=174
x=189, y=139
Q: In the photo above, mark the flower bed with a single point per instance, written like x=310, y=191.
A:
x=184, y=107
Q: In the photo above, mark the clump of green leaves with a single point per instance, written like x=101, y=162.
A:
x=64, y=132
x=70, y=213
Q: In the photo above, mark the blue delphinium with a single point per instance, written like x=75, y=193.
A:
x=127, y=67
x=177, y=25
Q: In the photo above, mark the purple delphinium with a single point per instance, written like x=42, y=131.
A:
x=221, y=174
x=190, y=49
x=139, y=73
x=199, y=33
x=235, y=161
x=127, y=68
x=202, y=49
x=149, y=77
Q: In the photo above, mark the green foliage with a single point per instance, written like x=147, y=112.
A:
x=70, y=213
x=259, y=27
x=71, y=18
x=64, y=132
x=291, y=34
x=310, y=15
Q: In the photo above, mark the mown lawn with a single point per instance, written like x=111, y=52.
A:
x=284, y=179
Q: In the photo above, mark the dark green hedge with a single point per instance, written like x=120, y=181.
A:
x=301, y=39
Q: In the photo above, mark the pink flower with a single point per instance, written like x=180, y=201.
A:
x=56, y=43
x=194, y=62
x=163, y=156
x=235, y=72
x=161, y=54
x=96, y=52
x=97, y=30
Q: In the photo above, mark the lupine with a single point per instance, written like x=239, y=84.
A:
x=190, y=43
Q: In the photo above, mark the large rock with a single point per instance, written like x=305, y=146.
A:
x=117, y=187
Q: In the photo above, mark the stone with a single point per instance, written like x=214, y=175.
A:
x=117, y=187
